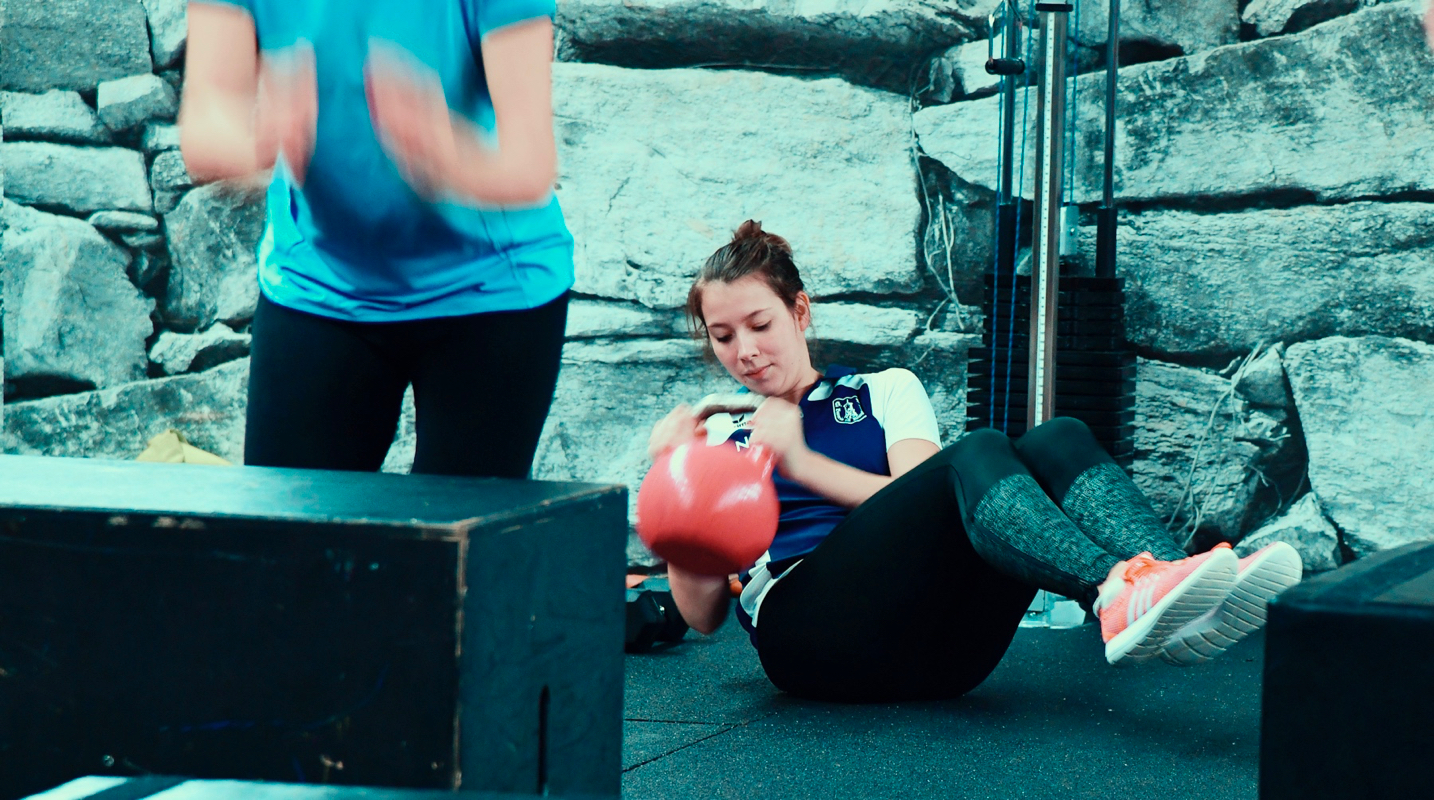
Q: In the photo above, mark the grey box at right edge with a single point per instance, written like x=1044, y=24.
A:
x=1348, y=708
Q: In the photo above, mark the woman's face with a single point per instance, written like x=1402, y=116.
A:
x=756, y=337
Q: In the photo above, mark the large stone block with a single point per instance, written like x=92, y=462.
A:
x=1219, y=284
x=1305, y=529
x=213, y=236
x=56, y=115
x=1192, y=458
x=1365, y=404
x=177, y=353
x=871, y=43
x=72, y=318
x=1271, y=17
x=207, y=407
x=127, y=103
x=593, y=319
x=956, y=240
x=1321, y=113
x=168, y=31
x=170, y=179
x=72, y=44
x=649, y=194
x=77, y=179
x=1181, y=27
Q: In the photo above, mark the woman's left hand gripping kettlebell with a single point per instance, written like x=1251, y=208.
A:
x=777, y=426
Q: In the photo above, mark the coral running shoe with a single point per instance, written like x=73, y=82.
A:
x=1262, y=575
x=1158, y=598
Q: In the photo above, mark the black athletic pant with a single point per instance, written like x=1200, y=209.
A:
x=327, y=394
x=917, y=594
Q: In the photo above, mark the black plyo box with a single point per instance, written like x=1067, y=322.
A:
x=308, y=626
x=164, y=787
x=1348, y=707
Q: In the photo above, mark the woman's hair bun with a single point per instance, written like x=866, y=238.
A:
x=752, y=229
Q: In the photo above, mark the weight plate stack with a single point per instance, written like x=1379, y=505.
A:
x=1095, y=369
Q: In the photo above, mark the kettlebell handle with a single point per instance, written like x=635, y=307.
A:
x=743, y=403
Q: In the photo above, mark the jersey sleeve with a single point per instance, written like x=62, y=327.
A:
x=490, y=15
x=900, y=405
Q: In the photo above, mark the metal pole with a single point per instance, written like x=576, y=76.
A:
x=1045, y=246
x=1105, y=225
x=1005, y=60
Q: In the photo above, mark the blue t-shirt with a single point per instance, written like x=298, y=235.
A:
x=356, y=242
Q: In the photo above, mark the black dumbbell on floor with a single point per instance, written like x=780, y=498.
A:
x=652, y=617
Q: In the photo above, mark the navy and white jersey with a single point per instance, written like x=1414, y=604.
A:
x=847, y=417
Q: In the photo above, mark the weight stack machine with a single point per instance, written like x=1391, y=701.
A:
x=1095, y=371
x=1080, y=365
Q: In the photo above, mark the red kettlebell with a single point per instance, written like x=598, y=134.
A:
x=711, y=510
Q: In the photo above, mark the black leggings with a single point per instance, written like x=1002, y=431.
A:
x=917, y=594
x=327, y=394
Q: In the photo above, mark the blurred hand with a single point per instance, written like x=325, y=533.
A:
x=680, y=426
x=410, y=115
x=1429, y=25
x=286, y=110
x=777, y=426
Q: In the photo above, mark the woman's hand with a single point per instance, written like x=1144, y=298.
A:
x=241, y=109
x=680, y=426
x=286, y=109
x=443, y=155
x=410, y=115
x=777, y=426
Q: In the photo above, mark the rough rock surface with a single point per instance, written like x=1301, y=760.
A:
x=55, y=115
x=213, y=235
x=593, y=319
x=170, y=180
x=1182, y=27
x=160, y=136
x=177, y=353
x=1263, y=383
x=207, y=407
x=76, y=179
x=649, y=194
x=72, y=44
x=854, y=323
x=956, y=237
x=129, y=102
x=873, y=44
x=72, y=318
x=1219, y=284
x=1304, y=528
x=168, y=30
x=123, y=221
x=960, y=73
x=1279, y=115
x=1365, y=407
x=1271, y=17
x=1188, y=458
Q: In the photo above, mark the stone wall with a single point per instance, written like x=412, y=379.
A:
x=1276, y=233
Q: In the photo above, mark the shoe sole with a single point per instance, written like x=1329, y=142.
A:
x=1242, y=613
x=1203, y=589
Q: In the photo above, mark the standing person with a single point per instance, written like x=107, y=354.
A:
x=901, y=570
x=412, y=234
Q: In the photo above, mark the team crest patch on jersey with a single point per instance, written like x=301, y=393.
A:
x=848, y=410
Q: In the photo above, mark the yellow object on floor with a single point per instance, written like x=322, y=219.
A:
x=170, y=447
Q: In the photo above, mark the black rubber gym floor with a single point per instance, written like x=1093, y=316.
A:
x=1053, y=721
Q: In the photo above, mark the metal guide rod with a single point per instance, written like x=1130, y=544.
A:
x=1105, y=232
x=1004, y=59
x=1045, y=246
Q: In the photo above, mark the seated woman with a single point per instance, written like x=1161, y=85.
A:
x=901, y=570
